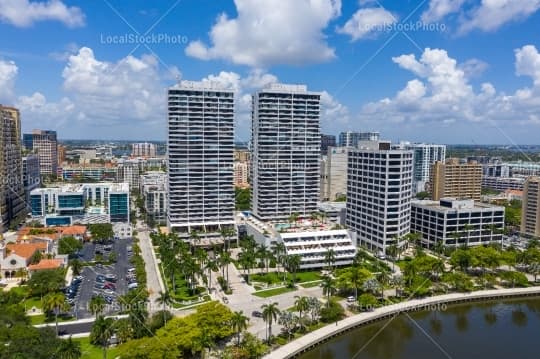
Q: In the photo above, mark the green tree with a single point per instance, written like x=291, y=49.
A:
x=293, y=263
x=102, y=331
x=165, y=299
x=242, y=199
x=54, y=302
x=69, y=245
x=101, y=232
x=76, y=266
x=367, y=302
x=239, y=323
x=330, y=259
x=328, y=285
x=69, y=349
x=270, y=313
x=97, y=305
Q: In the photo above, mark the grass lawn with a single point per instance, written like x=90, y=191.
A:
x=273, y=292
x=274, y=277
x=90, y=351
x=311, y=284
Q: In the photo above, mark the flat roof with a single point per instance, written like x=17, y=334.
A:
x=436, y=205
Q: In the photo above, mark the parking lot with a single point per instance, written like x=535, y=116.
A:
x=107, y=281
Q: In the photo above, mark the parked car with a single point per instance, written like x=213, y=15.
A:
x=133, y=285
x=350, y=299
x=256, y=314
x=111, y=278
x=109, y=285
x=99, y=285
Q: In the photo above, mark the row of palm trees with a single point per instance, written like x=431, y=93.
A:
x=253, y=255
x=193, y=263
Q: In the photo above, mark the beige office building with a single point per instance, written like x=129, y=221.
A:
x=530, y=216
x=241, y=171
x=457, y=180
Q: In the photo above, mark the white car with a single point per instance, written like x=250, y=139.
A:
x=350, y=299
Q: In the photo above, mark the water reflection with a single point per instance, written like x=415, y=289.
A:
x=463, y=331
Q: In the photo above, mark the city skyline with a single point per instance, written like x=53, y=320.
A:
x=443, y=77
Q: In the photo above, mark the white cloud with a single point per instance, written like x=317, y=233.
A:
x=368, y=22
x=439, y=9
x=271, y=32
x=483, y=15
x=108, y=91
x=8, y=73
x=492, y=14
x=441, y=95
x=528, y=63
x=23, y=13
x=473, y=67
x=50, y=114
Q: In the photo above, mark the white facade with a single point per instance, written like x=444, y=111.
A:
x=334, y=173
x=311, y=240
x=425, y=155
x=457, y=222
x=200, y=157
x=286, y=149
x=129, y=171
x=379, y=190
x=154, y=193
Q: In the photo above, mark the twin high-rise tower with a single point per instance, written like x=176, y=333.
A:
x=285, y=148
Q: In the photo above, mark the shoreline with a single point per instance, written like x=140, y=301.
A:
x=329, y=331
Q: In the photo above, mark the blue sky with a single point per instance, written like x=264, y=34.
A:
x=447, y=71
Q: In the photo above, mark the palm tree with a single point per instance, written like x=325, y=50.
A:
x=164, y=299
x=195, y=239
x=293, y=263
x=54, y=302
x=330, y=259
x=328, y=285
x=439, y=247
x=102, y=331
x=97, y=305
x=279, y=252
x=239, y=322
x=227, y=233
x=224, y=261
x=68, y=349
x=301, y=304
x=211, y=266
x=263, y=255
x=270, y=313
x=293, y=218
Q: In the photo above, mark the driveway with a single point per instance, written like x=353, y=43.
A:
x=154, y=283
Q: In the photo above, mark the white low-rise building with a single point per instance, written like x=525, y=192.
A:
x=457, y=222
x=310, y=239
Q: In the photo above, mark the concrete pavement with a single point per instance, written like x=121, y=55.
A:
x=154, y=282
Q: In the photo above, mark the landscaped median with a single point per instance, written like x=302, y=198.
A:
x=318, y=336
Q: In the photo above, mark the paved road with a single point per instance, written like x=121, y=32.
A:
x=154, y=282
x=243, y=300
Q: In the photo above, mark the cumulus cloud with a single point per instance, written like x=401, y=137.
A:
x=8, y=73
x=108, y=91
x=368, y=22
x=24, y=13
x=528, y=63
x=441, y=95
x=439, y=9
x=271, y=32
x=483, y=15
x=492, y=14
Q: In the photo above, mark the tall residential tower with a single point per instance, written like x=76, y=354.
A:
x=286, y=147
x=200, y=144
x=12, y=197
x=45, y=144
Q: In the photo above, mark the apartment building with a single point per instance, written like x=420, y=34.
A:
x=285, y=149
x=143, y=149
x=457, y=222
x=530, y=215
x=153, y=189
x=200, y=144
x=379, y=190
x=457, y=180
x=12, y=197
x=241, y=174
x=45, y=144
x=81, y=203
x=327, y=141
x=351, y=139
